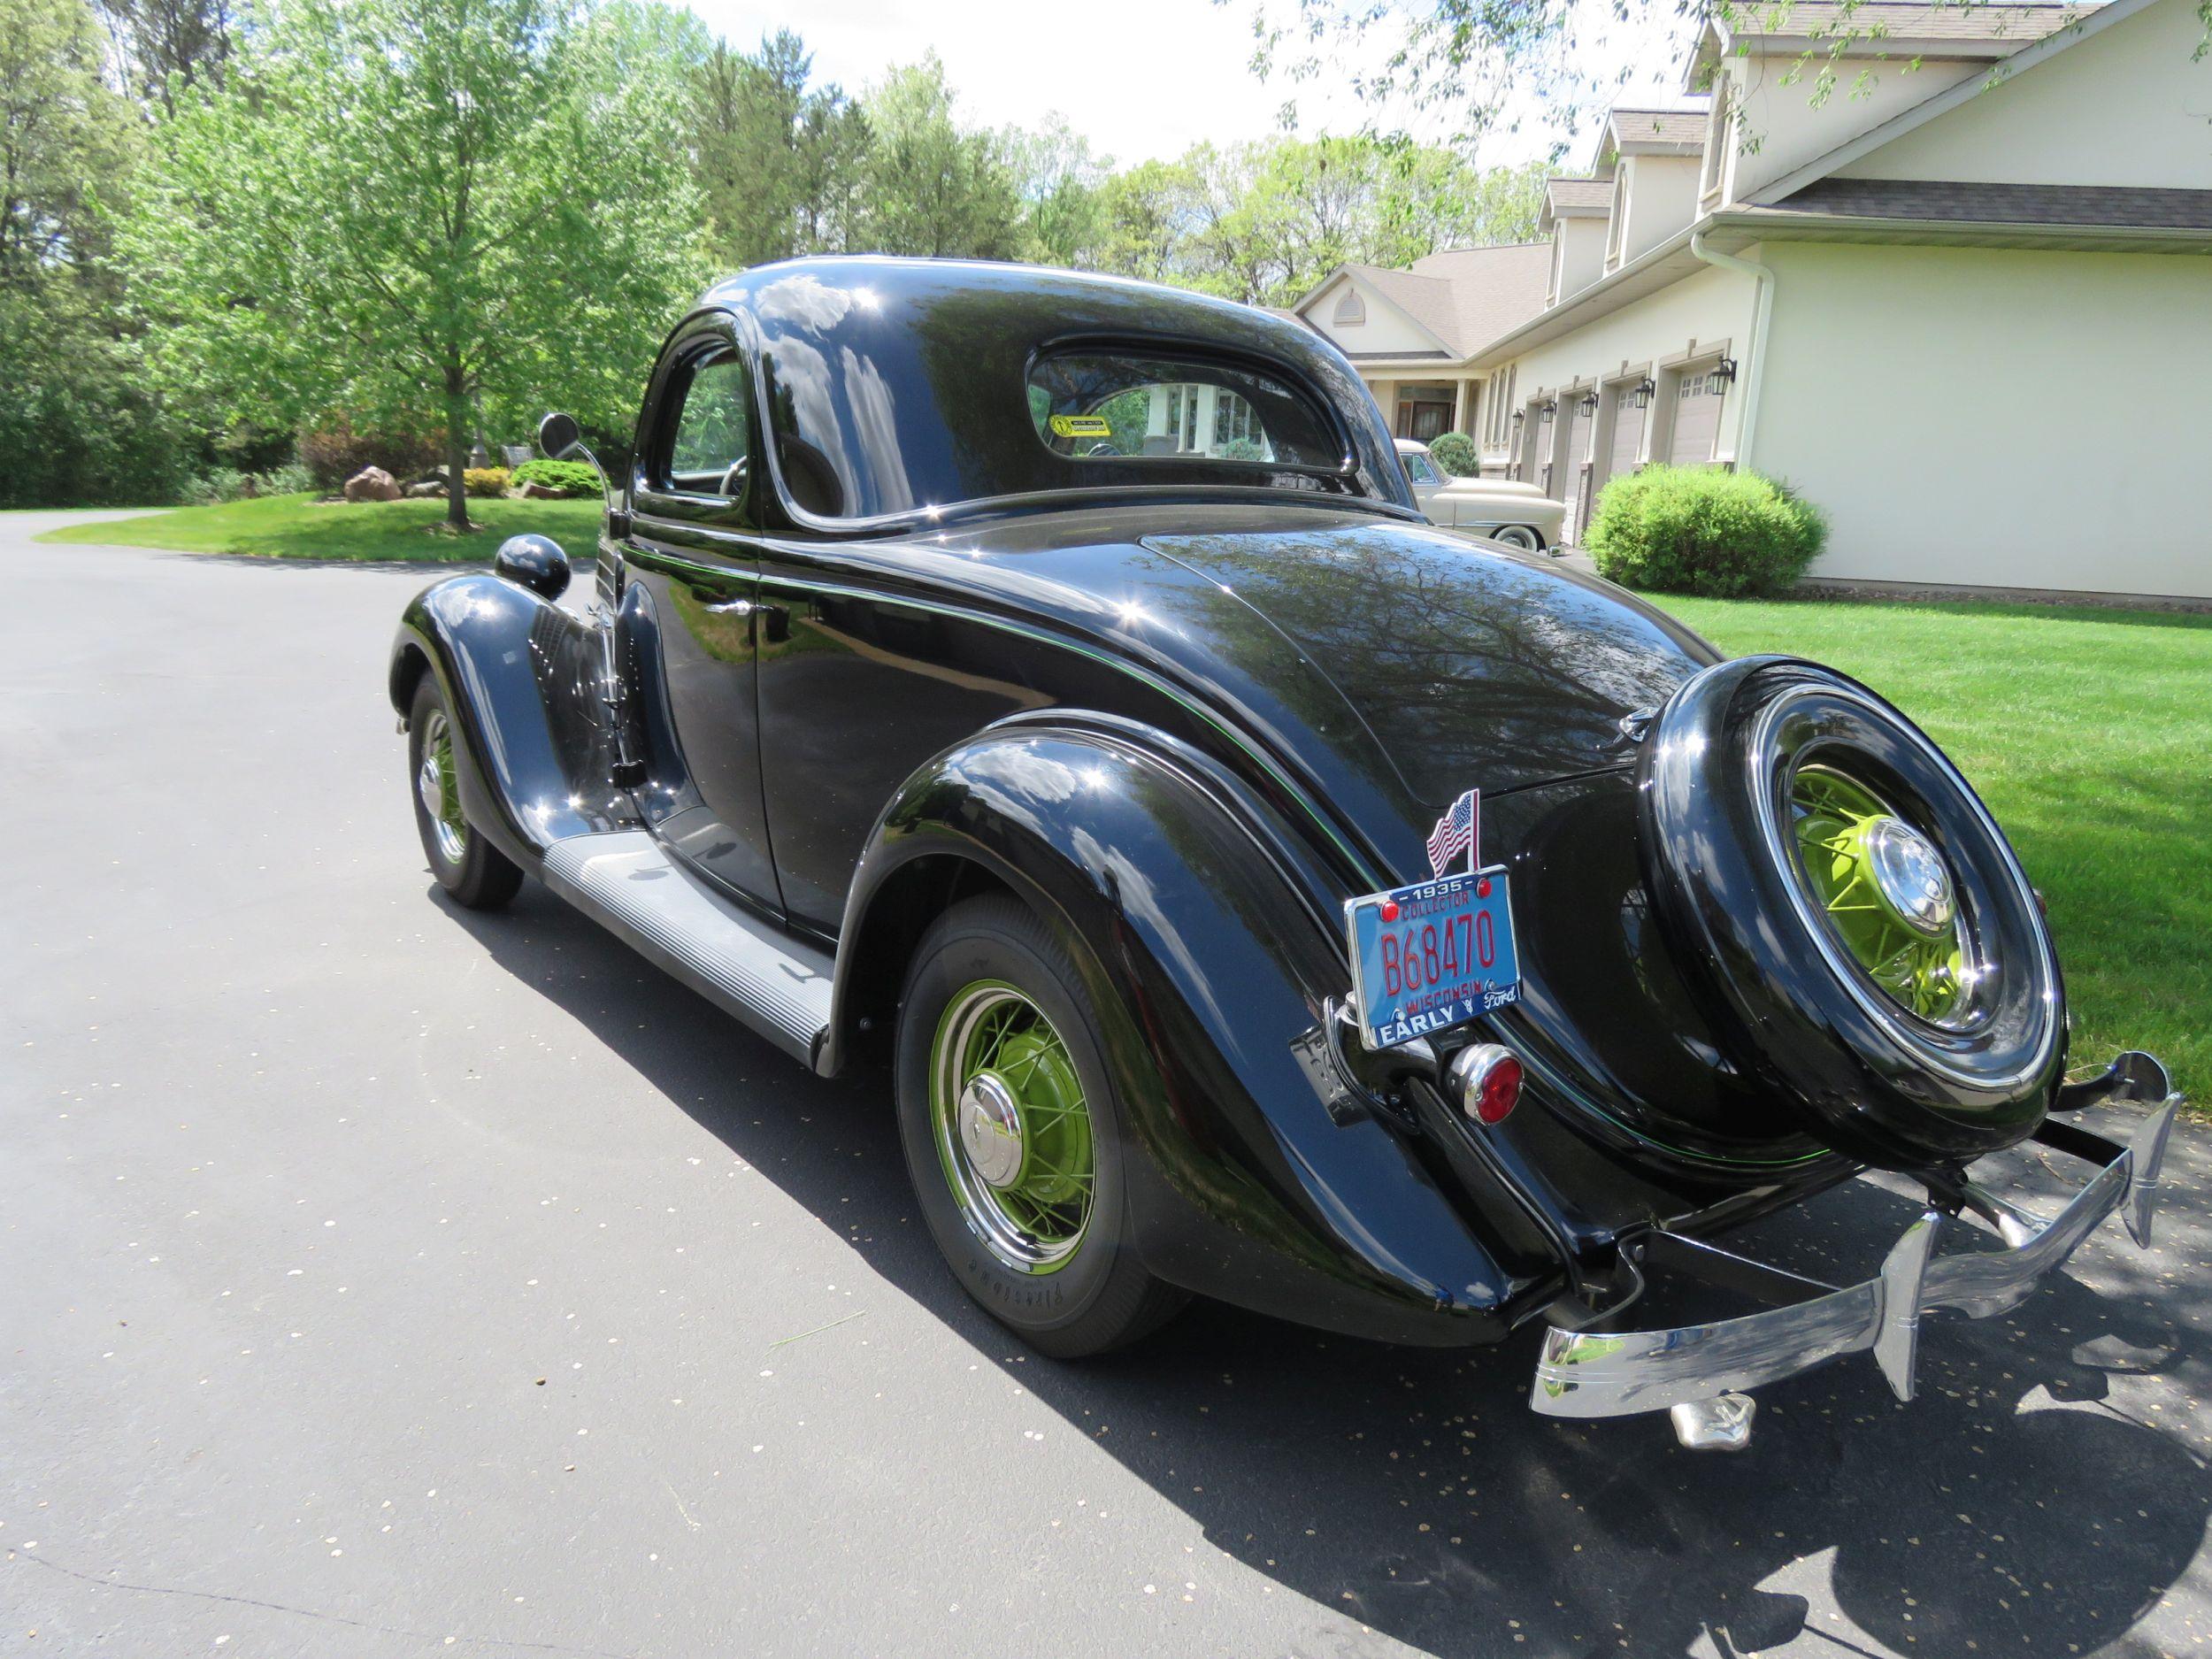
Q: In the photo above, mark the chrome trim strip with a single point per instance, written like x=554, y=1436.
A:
x=1596, y=1374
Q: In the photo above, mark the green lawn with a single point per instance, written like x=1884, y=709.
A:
x=2089, y=734
x=300, y=527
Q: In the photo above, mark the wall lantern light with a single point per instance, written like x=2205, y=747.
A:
x=1550, y=408
x=1588, y=403
x=1642, y=395
x=1519, y=415
x=1724, y=370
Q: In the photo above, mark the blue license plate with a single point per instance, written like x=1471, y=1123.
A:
x=1432, y=955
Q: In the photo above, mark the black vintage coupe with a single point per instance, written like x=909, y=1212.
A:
x=1044, y=686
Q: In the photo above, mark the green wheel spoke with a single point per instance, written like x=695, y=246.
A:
x=1013, y=1126
x=1836, y=818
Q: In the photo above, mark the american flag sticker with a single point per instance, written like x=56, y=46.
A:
x=1458, y=831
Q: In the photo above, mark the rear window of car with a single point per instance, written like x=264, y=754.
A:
x=1132, y=406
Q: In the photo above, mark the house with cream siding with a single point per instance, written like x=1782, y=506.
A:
x=1963, y=302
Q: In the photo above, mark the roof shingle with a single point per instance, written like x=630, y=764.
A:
x=1899, y=20
x=1956, y=203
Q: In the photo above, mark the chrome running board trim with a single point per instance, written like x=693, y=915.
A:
x=631, y=885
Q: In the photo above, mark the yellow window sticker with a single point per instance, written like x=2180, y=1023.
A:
x=1081, y=426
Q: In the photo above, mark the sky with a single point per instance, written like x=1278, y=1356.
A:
x=1141, y=77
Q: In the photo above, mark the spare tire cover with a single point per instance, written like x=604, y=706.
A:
x=1968, y=1055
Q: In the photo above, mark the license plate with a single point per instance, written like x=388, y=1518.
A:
x=1432, y=955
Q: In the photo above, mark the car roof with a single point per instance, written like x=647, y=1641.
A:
x=1412, y=445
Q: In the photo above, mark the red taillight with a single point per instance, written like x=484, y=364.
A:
x=1488, y=1080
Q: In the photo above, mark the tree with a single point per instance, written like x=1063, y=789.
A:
x=1058, y=180
x=1489, y=65
x=163, y=45
x=1145, y=219
x=932, y=187
x=427, y=209
x=77, y=423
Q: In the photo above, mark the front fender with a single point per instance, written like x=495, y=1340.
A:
x=1206, y=954
x=522, y=680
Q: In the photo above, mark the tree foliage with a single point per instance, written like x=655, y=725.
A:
x=413, y=211
x=76, y=424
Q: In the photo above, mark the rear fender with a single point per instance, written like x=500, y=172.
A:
x=1206, y=953
x=523, y=679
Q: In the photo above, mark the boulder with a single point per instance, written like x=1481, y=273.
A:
x=429, y=490
x=531, y=490
x=371, y=483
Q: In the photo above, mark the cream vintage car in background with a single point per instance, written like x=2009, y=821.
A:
x=1500, y=508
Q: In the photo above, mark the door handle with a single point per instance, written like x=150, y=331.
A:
x=733, y=608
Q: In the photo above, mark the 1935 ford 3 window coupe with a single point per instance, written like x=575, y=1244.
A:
x=1044, y=687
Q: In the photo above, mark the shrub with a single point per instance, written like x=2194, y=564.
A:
x=227, y=483
x=484, y=481
x=1455, y=452
x=1698, y=530
x=333, y=452
x=573, y=478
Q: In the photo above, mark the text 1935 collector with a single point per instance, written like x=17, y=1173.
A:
x=1045, y=687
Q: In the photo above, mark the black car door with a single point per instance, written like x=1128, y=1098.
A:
x=690, y=625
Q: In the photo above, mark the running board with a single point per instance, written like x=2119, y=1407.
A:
x=628, y=883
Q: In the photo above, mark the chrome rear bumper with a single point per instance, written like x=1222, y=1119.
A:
x=1698, y=1372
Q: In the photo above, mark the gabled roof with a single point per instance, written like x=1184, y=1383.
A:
x=2061, y=26
x=1679, y=130
x=1880, y=26
x=1574, y=197
x=1943, y=202
x=1460, y=298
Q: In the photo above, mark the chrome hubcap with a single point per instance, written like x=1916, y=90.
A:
x=438, y=787
x=1911, y=876
x=1012, y=1127
x=991, y=1130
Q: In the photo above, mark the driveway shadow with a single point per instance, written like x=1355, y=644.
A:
x=1415, y=1492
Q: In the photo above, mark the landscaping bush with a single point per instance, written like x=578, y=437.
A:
x=1455, y=452
x=484, y=481
x=1700, y=530
x=572, y=478
x=333, y=452
x=227, y=483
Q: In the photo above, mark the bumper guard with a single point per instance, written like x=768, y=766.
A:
x=1697, y=1373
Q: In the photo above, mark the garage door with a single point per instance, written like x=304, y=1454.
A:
x=1573, y=478
x=1697, y=398
x=1628, y=435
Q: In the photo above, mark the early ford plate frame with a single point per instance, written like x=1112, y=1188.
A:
x=1431, y=955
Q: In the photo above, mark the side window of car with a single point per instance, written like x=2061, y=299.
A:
x=1419, y=469
x=709, y=437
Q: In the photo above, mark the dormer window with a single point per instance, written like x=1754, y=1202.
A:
x=1615, y=220
x=1717, y=138
x=1349, y=310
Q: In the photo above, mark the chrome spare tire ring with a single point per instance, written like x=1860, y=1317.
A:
x=1848, y=914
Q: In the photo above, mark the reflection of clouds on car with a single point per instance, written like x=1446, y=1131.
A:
x=805, y=301
x=875, y=430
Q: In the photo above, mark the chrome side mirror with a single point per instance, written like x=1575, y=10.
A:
x=557, y=434
x=535, y=562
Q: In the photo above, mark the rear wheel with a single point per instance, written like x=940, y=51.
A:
x=1011, y=1135
x=1518, y=535
x=474, y=871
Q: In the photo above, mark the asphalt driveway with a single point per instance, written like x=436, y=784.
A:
x=381, y=1279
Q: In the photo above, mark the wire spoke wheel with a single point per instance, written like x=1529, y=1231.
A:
x=1883, y=890
x=438, y=783
x=1013, y=1126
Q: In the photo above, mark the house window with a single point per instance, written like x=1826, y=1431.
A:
x=1617, y=214
x=1349, y=310
x=1718, y=135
